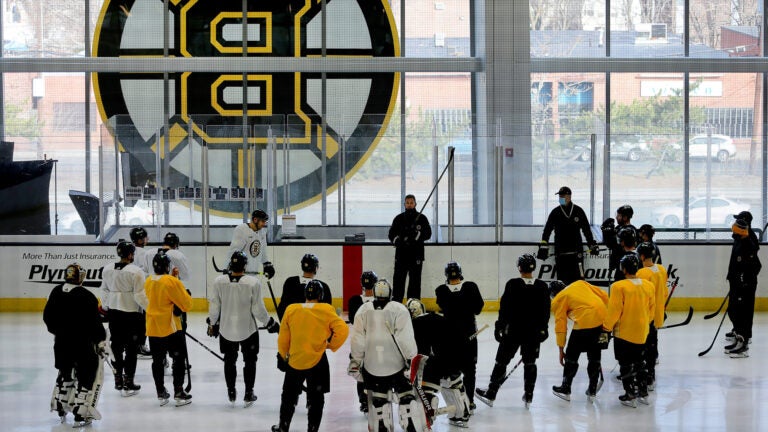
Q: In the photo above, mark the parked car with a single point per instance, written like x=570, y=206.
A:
x=629, y=147
x=723, y=148
x=140, y=214
x=721, y=212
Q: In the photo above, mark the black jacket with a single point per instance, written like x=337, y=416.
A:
x=568, y=222
x=744, y=264
x=524, y=310
x=404, y=232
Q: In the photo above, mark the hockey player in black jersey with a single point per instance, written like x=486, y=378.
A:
x=72, y=316
x=293, y=287
x=523, y=320
x=645, y=235
x=612, y=237
x=460, y=302
x=367, y=280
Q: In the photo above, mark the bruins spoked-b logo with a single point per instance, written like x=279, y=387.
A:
x=211, y=108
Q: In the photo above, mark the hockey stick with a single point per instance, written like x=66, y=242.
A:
x=429, y=410
x=510, y=372
x=473, y=336
x=680, y=324
x=204, y=346
x=671, y=292
x=714, y=314
x=716, y=333
x=272, y=294
x=440, y=177
x=215, y=267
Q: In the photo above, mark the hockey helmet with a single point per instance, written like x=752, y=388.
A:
x=453, y=271
x=74, y=274
x=238, y=261
x=309, y=263
x=125, y=249
x=138, y=233
x=260, y=214
x=161, y=263
x=382, y=290
x=313, y=290
x=526, y=263
x=646, y=229
x=171, y=239
x=629, y=263
x=555, y=287
x=368, y=279
x=627, y=236
x=415, y=307
x=626, y=211
x=646, y=250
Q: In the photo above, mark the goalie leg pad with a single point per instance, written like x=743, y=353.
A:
x=63, y=394
x=412, y=417
x=380, y=413
x=87, y=398
x=454, y=393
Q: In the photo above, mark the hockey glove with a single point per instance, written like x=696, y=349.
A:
x=101, y=349
x=543, y=253
x=397, y=241
x=353, y=370
x=269, y=270
x=594, y=250
x=500, y=331
x=543, y=335
x=176, y=311
x=272, y=326
x=608, y=225
x=213, y=329
x=282, y=365
x=604, y=339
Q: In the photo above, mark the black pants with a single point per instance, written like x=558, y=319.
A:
x=741, y=307
x=126, y=331
x=78, y=356
x=580, y=341
x=630, y=358
x=507, y=349
x=250, y=349
x=569, y=266
x=651, y=353
x=175, y=346
x=318, y=382
x=410, y=268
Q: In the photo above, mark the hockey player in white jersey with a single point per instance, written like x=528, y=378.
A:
x=251, y=238
x=72, y=316
x=367, y=280
x=123, y=299
x=382, y=343
x=142, y=259
x=234, y=307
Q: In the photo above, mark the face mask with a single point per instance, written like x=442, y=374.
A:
x=561, y=200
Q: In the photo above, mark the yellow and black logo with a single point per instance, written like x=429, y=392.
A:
x=224, y=111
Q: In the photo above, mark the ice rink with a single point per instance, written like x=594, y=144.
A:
x=710, y=393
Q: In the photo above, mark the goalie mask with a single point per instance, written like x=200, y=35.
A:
x=382, y=290
x=415, y=307
x=74, y=274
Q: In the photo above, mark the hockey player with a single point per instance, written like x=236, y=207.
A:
x=251, y=238
x=743, y=268
x=293, y=287
x=179, y=263
x=460, y=302
x=657, y=275
x=168, y=299
x=123, y=299
x=645, y=234
x=142, y=259
x=234, y=307
x=71, y=314
x=367, y=280
x=408, y=232
x=569, y=222
x=630, y=308
x=382, y=345
x=306, y=331
x=442, y=373
x=523, y=323
x=586, y=305
x=612, y=237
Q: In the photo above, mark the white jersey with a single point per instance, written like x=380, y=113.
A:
x=140, y=259
x=252, y=243
x=236, y=305
x=372, y=344
x=122, y=288
x=178, y=260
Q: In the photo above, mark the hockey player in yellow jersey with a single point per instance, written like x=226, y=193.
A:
x=630, y=310
x=306, y=331
x=585, y=305
x=657, y=275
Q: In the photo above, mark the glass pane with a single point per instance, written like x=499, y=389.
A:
x=438, y=28
x=43, y=29
x=725, y=28
x=567, y=28
x=651, y=28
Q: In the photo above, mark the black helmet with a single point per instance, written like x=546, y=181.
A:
x=313, y=290
x=238, y=261
x=555, y=287
x=74, y=274
x=646, y=229
x=629, y=263
x=453, y=271
x=626, y=211
x=137, y=234
x=309, y=263
x=125, y=249
x=161, y=263
x=171, y=239
x=646, y=250
x=260, y=214
x=368, y=279
x=526, y=263
x=628, y=236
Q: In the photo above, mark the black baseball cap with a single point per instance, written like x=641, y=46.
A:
x=745, y=216
x=565, y=190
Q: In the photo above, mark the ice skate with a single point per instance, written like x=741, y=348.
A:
x=562, y=391
x=628, y=400
x=486, y=396
x=163, y=396
x=527, y=399
x=130, y=388
x=181, y=397
x=249, y=398
x=462, y=422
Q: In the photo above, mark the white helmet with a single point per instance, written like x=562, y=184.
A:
x=415, y=307
x=382, y=290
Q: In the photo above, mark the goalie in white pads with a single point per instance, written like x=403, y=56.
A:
x=382, y=343
x=72, y=316
x=442, y=372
